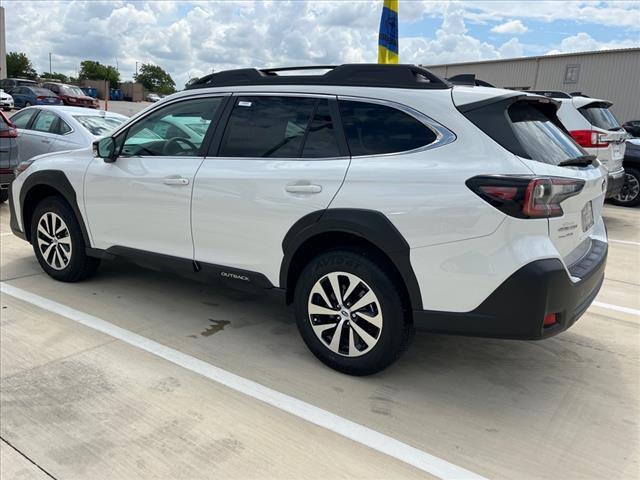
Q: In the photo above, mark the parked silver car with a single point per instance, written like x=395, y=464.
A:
x=45, y=129
x=8, y=154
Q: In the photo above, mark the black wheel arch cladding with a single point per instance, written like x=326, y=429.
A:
x=370, y=225
x=52, y=182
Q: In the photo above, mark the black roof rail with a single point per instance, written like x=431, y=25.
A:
x=352, y=75
x=550, y=93
x=469, y=79
x=579, y=94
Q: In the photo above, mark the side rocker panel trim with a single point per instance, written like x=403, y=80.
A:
x=370, y=225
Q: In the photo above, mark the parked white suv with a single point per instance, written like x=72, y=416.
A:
x=372, y=197
x=594, y=127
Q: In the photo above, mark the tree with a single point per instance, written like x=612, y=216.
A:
x=155, y=79
x=91, y=70
x=19, y=66
x=59, y=77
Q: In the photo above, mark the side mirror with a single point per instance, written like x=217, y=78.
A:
x=105, y=148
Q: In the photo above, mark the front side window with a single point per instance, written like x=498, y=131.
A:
x=267, y=127
x=45, y=122
x=177, y=129
x=22, y=119
x=374, y=129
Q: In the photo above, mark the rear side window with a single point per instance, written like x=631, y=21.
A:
x=373, y=129
x=267, y=127
x=540, y=138
x=22, y=119
x=46, y=122
x=321, y=138
x=600, y=116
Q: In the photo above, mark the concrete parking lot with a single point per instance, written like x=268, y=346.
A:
x=78, y=403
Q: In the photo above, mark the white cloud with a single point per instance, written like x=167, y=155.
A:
x=191, y=38
x=513, y=27
x=584, y=42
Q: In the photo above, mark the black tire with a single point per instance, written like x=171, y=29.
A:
x=27, y=104
x=4, y=195
x=79, y=266
x=397, y=328
x=625, y=198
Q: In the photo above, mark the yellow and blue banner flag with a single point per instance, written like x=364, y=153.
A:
x=388, y=38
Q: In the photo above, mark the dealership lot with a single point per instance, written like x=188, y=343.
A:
x=77, y=403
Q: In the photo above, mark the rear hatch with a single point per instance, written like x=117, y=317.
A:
x=608, y=136
x=528, y=127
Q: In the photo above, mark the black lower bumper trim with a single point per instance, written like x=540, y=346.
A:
x=13, y=220
x=614, y=186
x=517, y=308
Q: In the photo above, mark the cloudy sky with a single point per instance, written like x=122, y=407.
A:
x=190, y=38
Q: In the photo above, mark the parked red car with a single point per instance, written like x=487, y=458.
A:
x=72, y=95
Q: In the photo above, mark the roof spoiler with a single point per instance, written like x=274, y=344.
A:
x=469, y=79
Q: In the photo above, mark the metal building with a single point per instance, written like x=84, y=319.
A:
x=3, y=47
x=613, y=75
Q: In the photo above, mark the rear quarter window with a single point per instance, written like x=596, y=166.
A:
x=374, y=129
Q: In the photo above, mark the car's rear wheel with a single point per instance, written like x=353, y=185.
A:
x=4, y=195
x=58, y=242
x=629, y=195
x=350, y=312
x=27, y=104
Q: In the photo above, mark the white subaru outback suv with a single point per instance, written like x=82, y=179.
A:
x=372, y=197
x=594, y=127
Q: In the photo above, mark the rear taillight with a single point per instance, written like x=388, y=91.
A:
x=526, y=197
x=11, y=132
x=588, y=138
x=40, y=97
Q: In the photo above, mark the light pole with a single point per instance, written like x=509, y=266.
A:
x=50, y=64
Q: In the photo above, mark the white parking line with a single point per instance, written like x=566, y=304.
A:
x=358, y=433
x=624, y=242
x=6, y=234
x=617, y=308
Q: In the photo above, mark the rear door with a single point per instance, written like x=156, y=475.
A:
x=39, y=136
x=279, y=159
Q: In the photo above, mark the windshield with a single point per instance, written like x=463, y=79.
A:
x=73, y=91
x=540, y=138
x=600, y=116
x=43, y=92
x=98, y=125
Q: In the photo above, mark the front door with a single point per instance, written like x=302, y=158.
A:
x=142, y=200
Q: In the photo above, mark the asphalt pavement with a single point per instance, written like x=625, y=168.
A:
x=139, y=374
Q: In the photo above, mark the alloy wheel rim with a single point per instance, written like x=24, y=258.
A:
x=630, y=189
x=54, y=241
x=345, y=314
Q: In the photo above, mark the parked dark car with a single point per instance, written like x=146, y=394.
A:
x=8, y=83
x=71, y=95
x=27, y=96
x=632, y=127
x=629, y=196
x=8, y=154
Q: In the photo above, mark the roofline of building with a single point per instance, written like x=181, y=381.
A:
x=537, y=57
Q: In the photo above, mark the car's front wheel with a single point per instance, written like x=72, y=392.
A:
x=350, y=312
x=629, y=195
x=58, y=242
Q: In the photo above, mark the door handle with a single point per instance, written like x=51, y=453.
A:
x=44, y=140
x=303, y=188
x=176, y=180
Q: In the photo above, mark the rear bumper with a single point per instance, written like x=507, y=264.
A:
x=615, y=181
x=516, y=309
